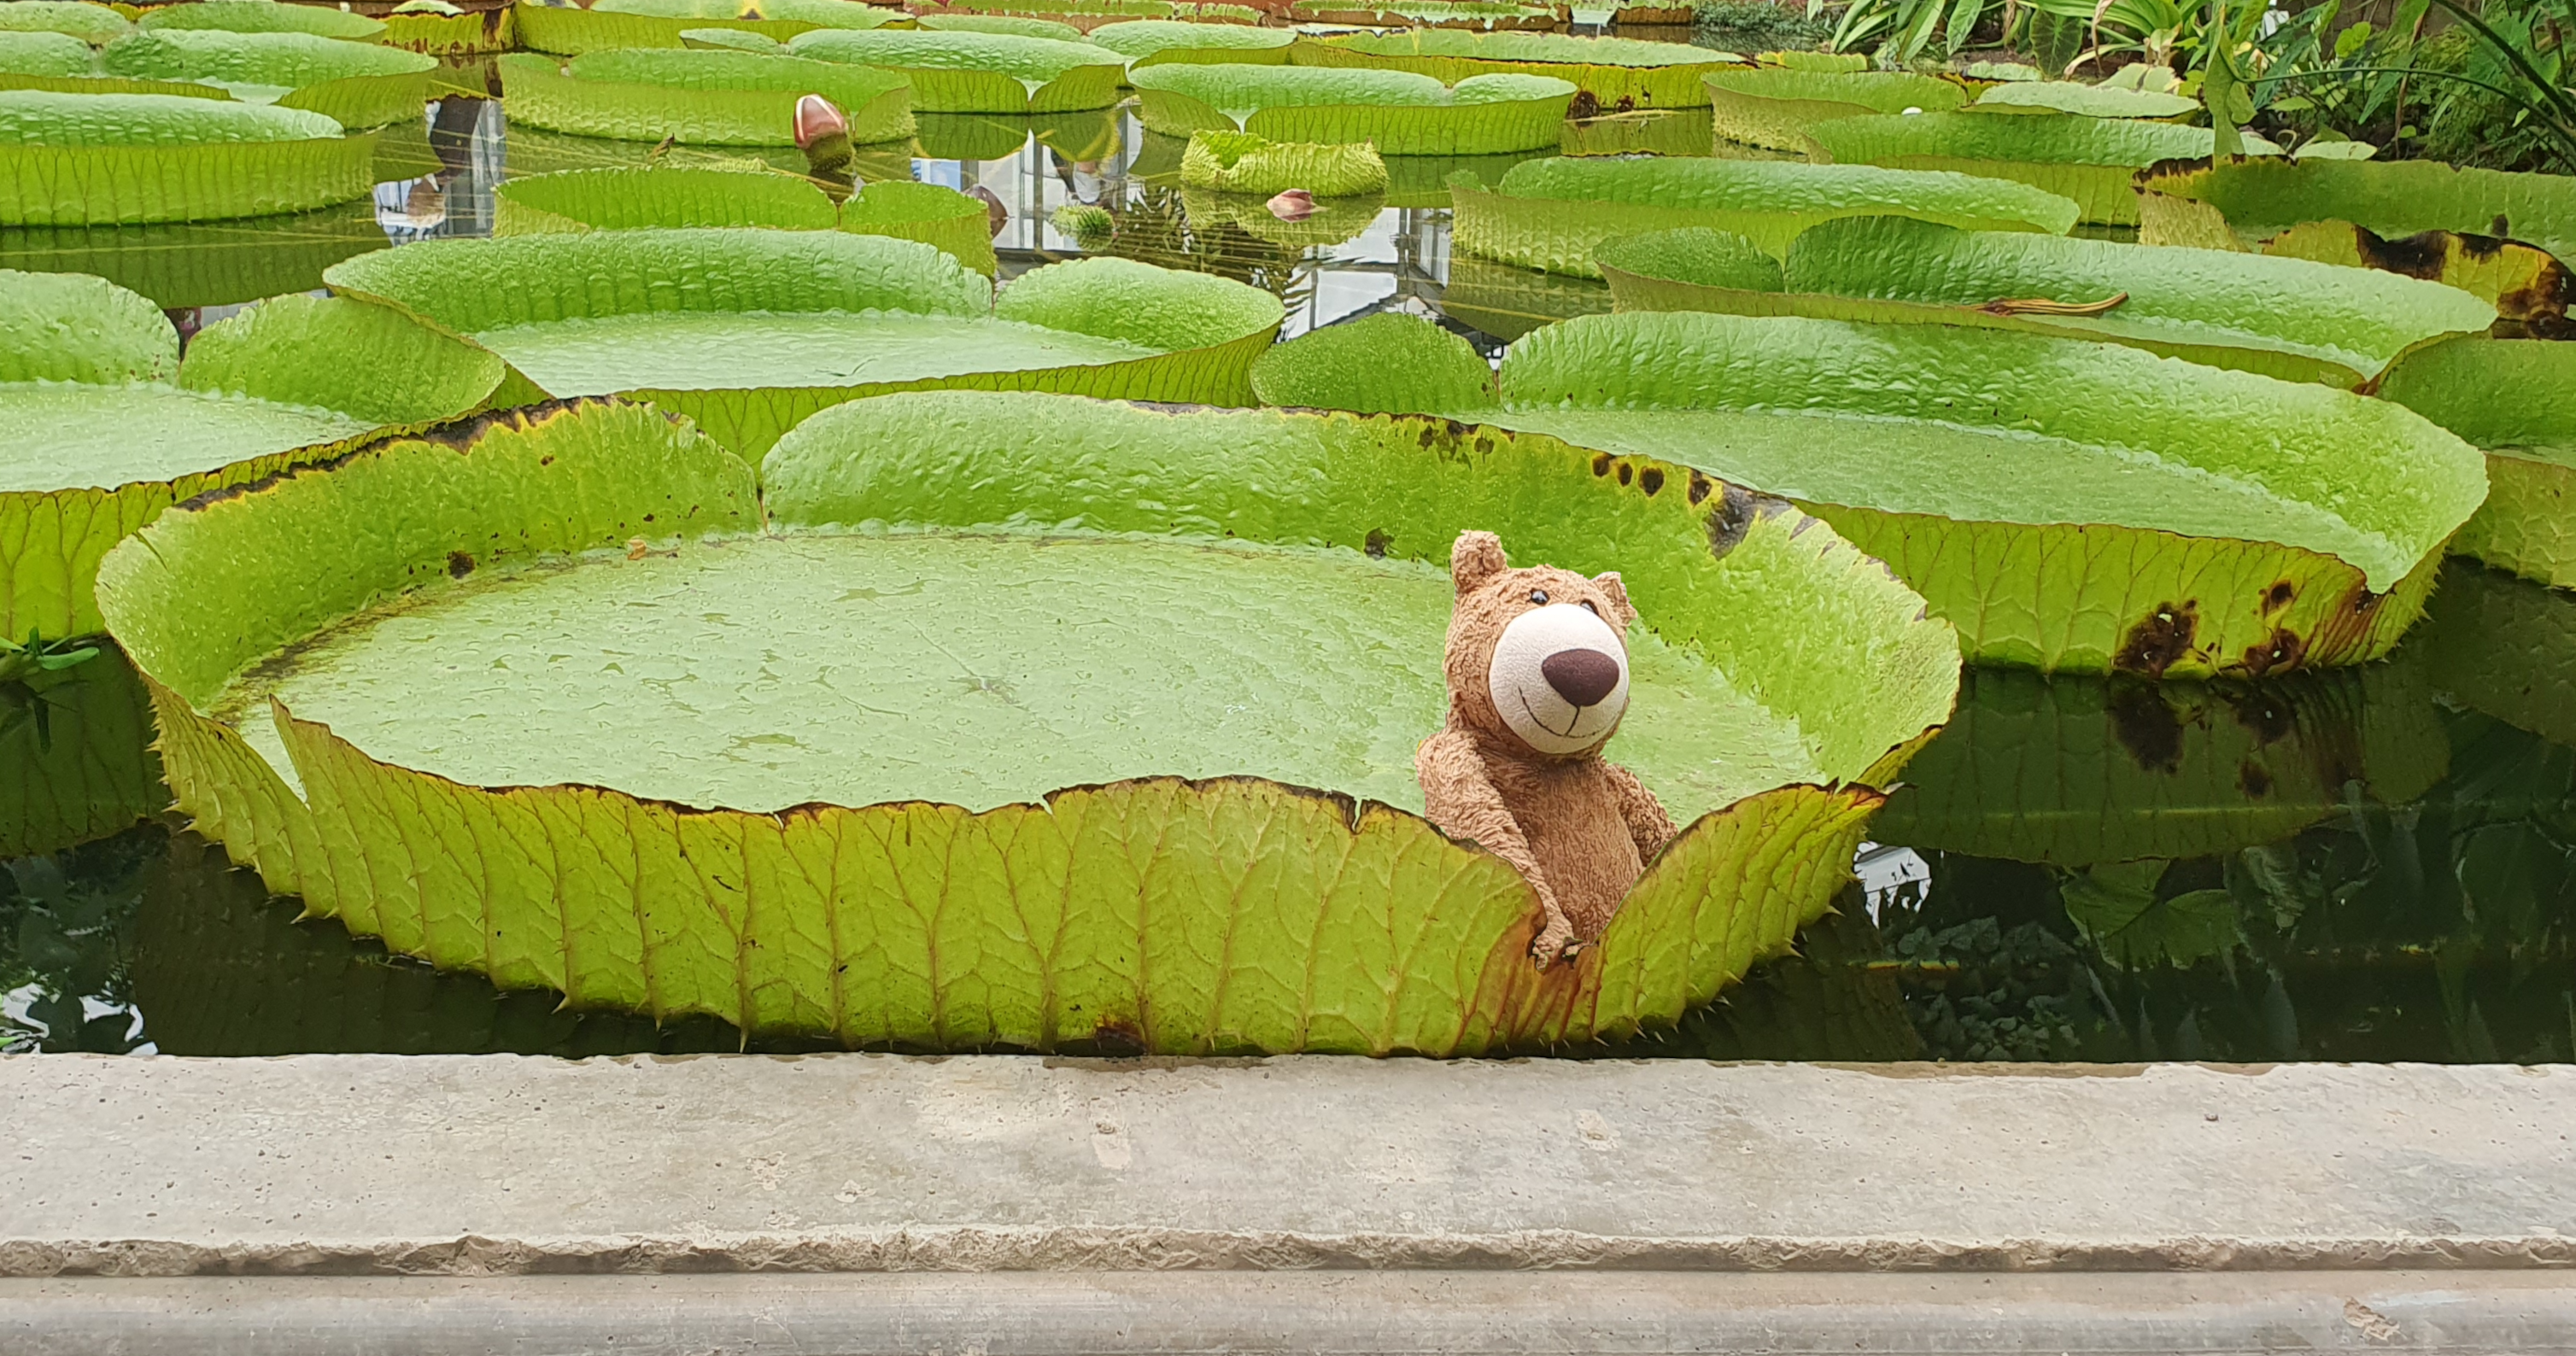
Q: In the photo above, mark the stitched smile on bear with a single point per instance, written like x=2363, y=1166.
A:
x=1559, y=678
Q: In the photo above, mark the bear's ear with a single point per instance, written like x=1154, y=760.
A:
x=1617, y=592
x=1477, y=557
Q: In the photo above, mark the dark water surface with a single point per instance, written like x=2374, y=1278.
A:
x=2366, y=865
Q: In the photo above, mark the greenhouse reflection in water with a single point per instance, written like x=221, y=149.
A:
x=2375, y=864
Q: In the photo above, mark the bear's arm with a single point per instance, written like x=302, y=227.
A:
x=1648, y=825
x=1462, y=801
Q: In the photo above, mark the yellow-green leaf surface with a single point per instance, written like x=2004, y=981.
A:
x=2517, y=399
x=2263, y=198
x=1240, y=162
x=774, y=325
x=356, y=84
x=1146, y=42
x=2288, y=318
x=1401, y=113
x=108, y=428
x=1552, y=214
x=1775, y=106
x=1645, y=74
x=138, y=159
x=1017, y=25
x=2068, y=505
x=1231, y=912
x=701, y=97
x=263, y=16
x=2075, y=771
x=2092, y=101
x=452, y=35
x=90, y=23
x=663, y=197
x=219, y=263
x=980, y=72
x=569, y=30
x=76, y=759
x=2090, y=160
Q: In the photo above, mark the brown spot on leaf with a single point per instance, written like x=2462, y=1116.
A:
x=1651, y=480
x=1700, y=485
x=2421, y=255
x=2160, y=639
x=1627, y=473
x=1117, y=1037
x=2263, y=713
x=2282, y=651
x=459, y=564
x=2279, y=596
x=1600, y=463
x=1586, y=104
x=1377, y=543
x=2146, y=727
x=2253, y=780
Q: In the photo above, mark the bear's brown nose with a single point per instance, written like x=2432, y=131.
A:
x=1582, y=677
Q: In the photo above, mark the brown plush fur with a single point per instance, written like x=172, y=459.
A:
x=1579, y=827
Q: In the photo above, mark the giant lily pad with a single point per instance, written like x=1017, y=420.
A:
x=134, y=159
x=2503, y=646
x=264, y=16
x=1019, y=25
x=1403, y=113
x=355, y=84
x=705, y=98
x=2092, y=101
x=2074, y=771
x=90, y=23
x=1775, y=106
x=2090, y=160
x=108, y=428
x=1616, y=71
x=774, y=325
x=1173, y=833
x=2465, y=227
x=1479, y=15
x=569, y=31
x=2287, y=318
x=1508, y=301
x=2517, y=399
x=1553, y=213
x=1240, y=162
x=981, y=72
x=2068, y=505
x=671, y=197
x=1150, y=42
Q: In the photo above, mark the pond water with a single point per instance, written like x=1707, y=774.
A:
x=2371, y=865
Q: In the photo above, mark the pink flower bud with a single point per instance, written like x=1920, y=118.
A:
x=816, y=119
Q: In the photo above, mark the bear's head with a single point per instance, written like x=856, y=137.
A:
x=1537, y=654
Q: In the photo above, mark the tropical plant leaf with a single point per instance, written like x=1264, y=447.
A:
x=103, y=440
x=2070, y=506
x=2515, y=398
x=355, y=84
x=2090, y=160
x=1146, y=42
x=779, y=324
x=452, y=35
x=2286, y=318
x=1508, y=301
x=2072, y=771
x=139, y=159
x=1644, y=74
x=92, y=24
x=263, y=16
x=2121, y=909
x=2092, y=101
x=2263, y=198
x=1402, y=113
x=615, y=24
x=706, y=98
x=1775, y=106
x=1224, y=914
x=45, y=53
x=658, y=197
x=1016, y=25
x=1554, y=213
x=933, y=214
x=980, y=72
x=1239, y=162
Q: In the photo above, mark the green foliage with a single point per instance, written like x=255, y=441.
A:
x=2489, y=83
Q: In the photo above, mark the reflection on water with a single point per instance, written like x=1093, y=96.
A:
x=2367, y=865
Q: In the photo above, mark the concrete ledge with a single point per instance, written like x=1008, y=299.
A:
x=359, y=1165
x=1062, y=1314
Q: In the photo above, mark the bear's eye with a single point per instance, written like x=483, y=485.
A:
x=1538, y=596
x=1588, y=607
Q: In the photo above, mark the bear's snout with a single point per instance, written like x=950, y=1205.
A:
x=1582, y=676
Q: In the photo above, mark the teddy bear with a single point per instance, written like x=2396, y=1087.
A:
x=1538, y=679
